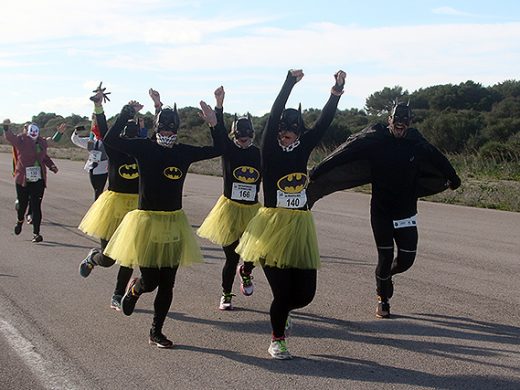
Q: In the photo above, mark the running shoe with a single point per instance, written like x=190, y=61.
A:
x=115, y=302
x=18, y=227
x=278, y=350
x=130, y=298
x=383, y=308
x=225, y=301
x=86, y=266
x=246, y=281
x=37, y=238
x=160, y=340
x=28, y=218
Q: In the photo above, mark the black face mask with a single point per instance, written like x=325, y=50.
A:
x=401, y=113
x=168, y=120
x=291, y=120
x=242, y=127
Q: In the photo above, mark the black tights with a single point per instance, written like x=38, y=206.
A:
x=230, y=267
x=124, y=274
x=98, y=183
x=31, y=194
x=292, y=289
x=406, y=241
x=164, y=280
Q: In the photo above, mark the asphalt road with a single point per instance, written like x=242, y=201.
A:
x=455, y=325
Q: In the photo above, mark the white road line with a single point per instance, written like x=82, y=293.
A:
x=49, y=376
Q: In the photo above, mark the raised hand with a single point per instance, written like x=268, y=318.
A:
x=100, y=96
x=298, y=73
x=207, y=114
x=156, y=97
x=136, y=105
x=340, y=77
x=219, y=96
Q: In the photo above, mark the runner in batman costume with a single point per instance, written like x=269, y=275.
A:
x=402, y=166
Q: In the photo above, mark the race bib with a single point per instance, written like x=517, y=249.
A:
x=94, y=156
x=33, y=174
x=241, y=191
x=291, y=201
x=406, y=222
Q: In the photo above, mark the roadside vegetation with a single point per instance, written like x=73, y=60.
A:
x=477, y=127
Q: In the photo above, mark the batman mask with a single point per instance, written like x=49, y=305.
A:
x=401, y=113
x=242, y=127
x=168, y=120
x=291, y=120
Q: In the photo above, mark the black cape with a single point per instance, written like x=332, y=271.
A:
x=328, y=176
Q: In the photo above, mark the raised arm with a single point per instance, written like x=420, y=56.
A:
x=82, y=142
x=98, y=98
x=156, y=98
x=270, y=137
x=9, y=136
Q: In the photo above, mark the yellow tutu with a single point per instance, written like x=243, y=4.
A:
x=154, y=239
x=227, y=221
x=106, y=213
x=281, y=238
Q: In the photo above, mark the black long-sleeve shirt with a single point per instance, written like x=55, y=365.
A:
x=395, y=166
x=285, y=173
x=162, y=170
x=241, y=169
x=123, y=175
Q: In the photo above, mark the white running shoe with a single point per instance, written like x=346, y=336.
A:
x=278, y=350
x=225, y=301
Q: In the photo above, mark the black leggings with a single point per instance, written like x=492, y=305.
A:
x=292, y=289
x=31, y=194
x=230, y=267
x=98, y=183
x=124, y=274
x=406, y=241
x=164, y=279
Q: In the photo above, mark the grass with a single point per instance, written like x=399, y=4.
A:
x=485, y=183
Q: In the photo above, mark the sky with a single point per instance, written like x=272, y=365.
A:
x=53, y=53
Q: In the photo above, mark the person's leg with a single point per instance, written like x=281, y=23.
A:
x=303, y=287
x=383, y=230
x=406, y=241
x=22, y=195
x=148, y=282
x=37, y=190
x=281, y=285
x=164, y=297
x=123, y=277
x=98, y=183
x=230, y=267
x=162, y=304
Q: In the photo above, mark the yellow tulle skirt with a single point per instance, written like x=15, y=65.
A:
x=106, y=213
x=227, y=221
x=154, y=239
x=281, y=238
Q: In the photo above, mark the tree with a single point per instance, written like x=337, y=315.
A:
x=380, y=103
